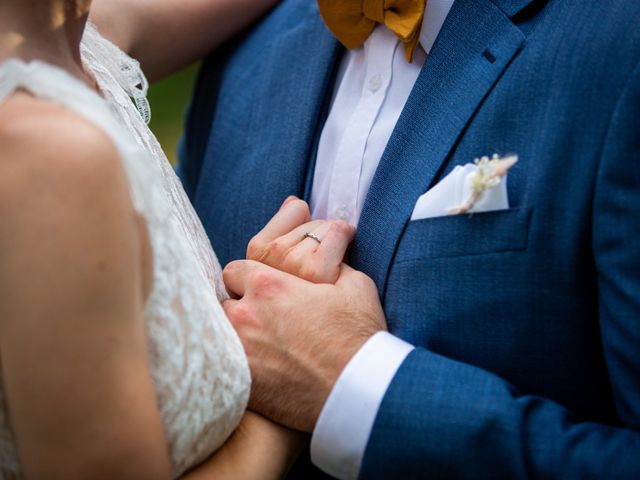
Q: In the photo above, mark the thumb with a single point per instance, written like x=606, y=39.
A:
x=350, y=275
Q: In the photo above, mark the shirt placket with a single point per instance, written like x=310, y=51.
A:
x=345, y=180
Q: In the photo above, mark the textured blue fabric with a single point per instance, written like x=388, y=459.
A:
x=527, y=321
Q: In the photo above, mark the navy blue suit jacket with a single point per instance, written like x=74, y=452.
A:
x=526, y=321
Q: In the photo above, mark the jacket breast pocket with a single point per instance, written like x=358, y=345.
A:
x=465, y=235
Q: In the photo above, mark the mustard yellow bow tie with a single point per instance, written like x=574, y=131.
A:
x=352, y=21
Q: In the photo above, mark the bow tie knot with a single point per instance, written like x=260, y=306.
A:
x=352, y=21
x=374, y=10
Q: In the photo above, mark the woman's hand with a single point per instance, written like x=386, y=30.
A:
x=259, y=449
x=284, y=244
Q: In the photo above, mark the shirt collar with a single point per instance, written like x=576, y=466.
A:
x=434, y=16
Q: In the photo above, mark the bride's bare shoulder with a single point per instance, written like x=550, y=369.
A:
x=37, y=133
x=47, y=148
x=56, y=168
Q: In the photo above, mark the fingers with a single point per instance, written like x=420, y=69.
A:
x=292, y=214
x=237, y=276
x=275, y=252
x=300, y=252
x=332, y=249
x=248, y=278
x=297, y=236
x=282, y=245
x=289, y=199
x=319, y=262
x=296, y=239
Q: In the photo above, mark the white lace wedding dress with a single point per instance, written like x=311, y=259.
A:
x=199, y=368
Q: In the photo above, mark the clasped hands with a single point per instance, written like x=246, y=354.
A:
x=301, y=313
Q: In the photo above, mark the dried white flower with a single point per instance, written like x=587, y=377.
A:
x=489, y=174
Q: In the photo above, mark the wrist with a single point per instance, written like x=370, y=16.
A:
x=258, y=449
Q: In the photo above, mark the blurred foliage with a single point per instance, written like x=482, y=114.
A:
x=169, y=100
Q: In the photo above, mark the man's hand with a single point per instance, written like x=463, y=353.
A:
x=298, y=335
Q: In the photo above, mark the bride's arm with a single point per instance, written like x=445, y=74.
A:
x=165, y=35
x=72, y=335
x=257, y=450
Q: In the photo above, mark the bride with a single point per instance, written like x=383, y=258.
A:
x=117, y=360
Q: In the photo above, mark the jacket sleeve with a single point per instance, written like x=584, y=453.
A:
x=445, y=419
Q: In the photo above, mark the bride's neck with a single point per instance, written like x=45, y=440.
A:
x=46, y=30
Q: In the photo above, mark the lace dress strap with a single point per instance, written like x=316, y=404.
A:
x=123, y=69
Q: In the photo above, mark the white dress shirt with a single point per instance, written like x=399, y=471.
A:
x=373, y=85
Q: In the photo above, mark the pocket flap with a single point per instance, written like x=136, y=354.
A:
x=462, y=235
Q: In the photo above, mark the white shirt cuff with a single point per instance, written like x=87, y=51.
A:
x=345, y=423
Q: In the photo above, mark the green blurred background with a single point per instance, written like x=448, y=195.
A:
x=169, y=100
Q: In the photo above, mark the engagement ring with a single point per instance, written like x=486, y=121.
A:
x=313, y=236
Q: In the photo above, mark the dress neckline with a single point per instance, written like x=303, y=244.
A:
x=42, y=78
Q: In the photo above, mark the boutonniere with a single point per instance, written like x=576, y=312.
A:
x=489, y=174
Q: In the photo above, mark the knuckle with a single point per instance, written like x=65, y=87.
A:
x=342, y=228
x=364, y=281
x=255, y=248
x=301, y=206
x=293, y=262
x=310, y=272
x=241, y=315
x=264, y=282
x=318, y=271
x=274, y=247
x=229, y=270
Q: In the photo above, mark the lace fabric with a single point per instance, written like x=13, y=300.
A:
x=198, y=364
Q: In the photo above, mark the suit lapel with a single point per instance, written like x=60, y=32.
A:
x=475, y=46
x=511, y=8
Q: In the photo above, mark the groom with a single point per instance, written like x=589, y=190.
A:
x=513, y=343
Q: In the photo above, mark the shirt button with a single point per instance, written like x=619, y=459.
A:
x=375, y=82
x=343, y=214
